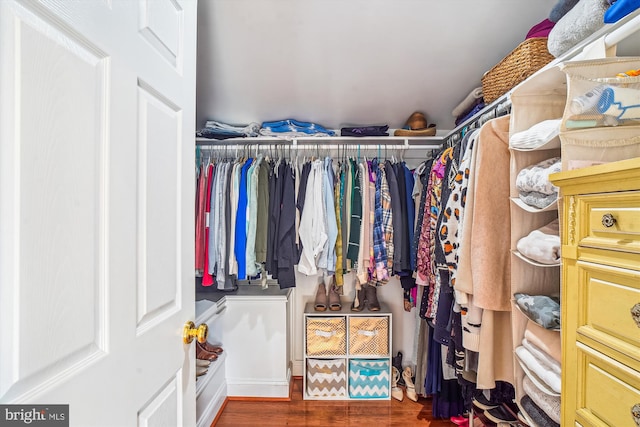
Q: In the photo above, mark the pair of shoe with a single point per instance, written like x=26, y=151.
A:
x=367, y=297
x=206, y=351
x=324, y=300
x=496, y=412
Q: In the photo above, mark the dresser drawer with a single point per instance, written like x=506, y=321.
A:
x=609, y=392
x=608, y=298
x=611, y=221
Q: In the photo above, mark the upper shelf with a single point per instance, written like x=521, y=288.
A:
x=302, y=142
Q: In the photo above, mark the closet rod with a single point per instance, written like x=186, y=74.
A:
x=294, y=146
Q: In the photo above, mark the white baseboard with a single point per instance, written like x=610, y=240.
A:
x=248, y=387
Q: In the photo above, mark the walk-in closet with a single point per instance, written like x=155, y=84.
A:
x=320, y=213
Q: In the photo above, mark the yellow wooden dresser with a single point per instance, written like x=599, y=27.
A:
x=600, y=294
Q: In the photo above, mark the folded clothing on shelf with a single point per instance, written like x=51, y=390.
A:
x=360, y=131
x=294, y=127
x=537, y=200
x=550, y=405
x=536, y=177
x=536, y=136
x=546, y=340
x=542, y=245
x=218, y=130
x=542, y=309
x=543, y=357
x=537, y=415
x=541, y=375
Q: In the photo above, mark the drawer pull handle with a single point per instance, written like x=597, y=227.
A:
x=608, y=220
x=635, y=413
x=635, y=314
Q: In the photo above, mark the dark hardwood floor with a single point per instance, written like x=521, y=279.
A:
x=300, y=412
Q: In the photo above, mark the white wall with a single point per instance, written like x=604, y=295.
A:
x=340, y=62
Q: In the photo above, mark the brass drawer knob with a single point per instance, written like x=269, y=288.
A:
x=635, y=314
x=635, y=413
x=608, y=220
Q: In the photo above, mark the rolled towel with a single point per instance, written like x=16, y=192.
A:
x=542, y=245
x=536, y=177
x=468, y=102
x=546, y=340
x=549, y=404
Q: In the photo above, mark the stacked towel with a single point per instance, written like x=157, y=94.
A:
x=542, y=245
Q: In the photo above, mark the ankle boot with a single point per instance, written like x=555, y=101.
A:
x=372, y=298
x=334, y=297
x=359, y=300
x=321, y=298
x=397, y=363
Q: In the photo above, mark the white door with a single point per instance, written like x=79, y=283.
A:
x=97, y=117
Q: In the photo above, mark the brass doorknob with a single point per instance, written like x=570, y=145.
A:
x=190, y=332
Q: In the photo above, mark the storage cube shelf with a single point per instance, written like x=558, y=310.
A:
x=347, y=354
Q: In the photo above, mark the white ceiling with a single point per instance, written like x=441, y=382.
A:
x=347, y=62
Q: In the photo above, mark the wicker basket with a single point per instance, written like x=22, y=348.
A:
x=523, y=61
x=326, y=336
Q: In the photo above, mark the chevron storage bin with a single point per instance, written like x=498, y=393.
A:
x=326, y=336
x=326, y=377
x=369, y=336
x=369, y=378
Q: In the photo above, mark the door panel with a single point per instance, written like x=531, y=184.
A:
x=161, y=24
x=159, y=157
x=96, y=208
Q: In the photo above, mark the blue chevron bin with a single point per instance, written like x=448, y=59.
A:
x=369, y=378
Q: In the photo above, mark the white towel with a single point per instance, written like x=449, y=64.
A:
x=536, y=136
x=546, y=380
x=542, y=357
x=542, y=245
